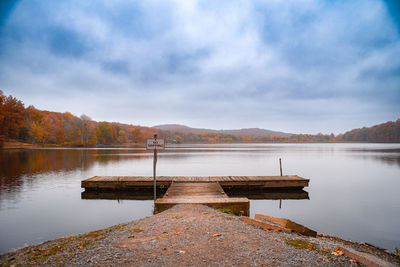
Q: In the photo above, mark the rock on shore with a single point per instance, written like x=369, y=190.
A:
x=185, y=235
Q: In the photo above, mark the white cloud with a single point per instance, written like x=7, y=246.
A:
x=308, y=66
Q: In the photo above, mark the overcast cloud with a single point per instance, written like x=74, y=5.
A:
x=295, y=66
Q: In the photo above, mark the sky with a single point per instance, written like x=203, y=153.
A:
x=298, y=66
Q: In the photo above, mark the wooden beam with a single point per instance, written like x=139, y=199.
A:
x=287, y=224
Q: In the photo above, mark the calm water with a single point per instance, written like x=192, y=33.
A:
x=353, y=192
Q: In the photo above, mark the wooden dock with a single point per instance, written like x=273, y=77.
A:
x=198, y=190
x=135, y=182
x=207, y=193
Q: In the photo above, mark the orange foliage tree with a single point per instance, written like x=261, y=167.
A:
x=11, y=117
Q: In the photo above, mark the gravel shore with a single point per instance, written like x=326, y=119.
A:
x=188, y=235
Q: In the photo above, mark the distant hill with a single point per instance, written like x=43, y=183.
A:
x=244, y=131
x=388, y=132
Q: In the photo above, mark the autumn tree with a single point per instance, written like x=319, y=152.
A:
x=136, y=135
x=122, y=138
x=36, y=132
x=104, y=133
x=92, y=137
x=11, y=117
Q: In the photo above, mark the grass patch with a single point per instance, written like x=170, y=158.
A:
x=227, y=211
x=397, y=252
x=93, y=234
x=302, y=244
x=230, y=212
x=41, y=255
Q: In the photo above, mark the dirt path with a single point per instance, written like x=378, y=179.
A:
x=186, y=235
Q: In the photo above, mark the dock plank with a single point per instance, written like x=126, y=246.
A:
x=206, y=193
x=195, y=189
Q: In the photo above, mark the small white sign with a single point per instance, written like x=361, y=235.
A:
x=155, y=143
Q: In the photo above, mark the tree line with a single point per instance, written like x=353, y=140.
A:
x=388, y=132
x=34, y=126
x=180, y=137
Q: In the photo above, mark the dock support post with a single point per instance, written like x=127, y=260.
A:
x=154, y=170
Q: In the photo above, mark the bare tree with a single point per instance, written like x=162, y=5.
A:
x=84, y=128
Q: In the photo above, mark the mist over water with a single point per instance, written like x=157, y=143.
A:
x=353, y=190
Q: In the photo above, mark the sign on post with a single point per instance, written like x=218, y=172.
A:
x=155, y=143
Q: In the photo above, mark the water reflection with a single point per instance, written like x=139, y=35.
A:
x=269, y=194
x=19, y=166
x=144, y=194
x=15, y=164
x=389, y=155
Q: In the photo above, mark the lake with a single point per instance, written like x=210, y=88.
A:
x=353, y=192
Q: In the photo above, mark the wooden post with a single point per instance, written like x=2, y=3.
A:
x=280, y=165
x=154, y=170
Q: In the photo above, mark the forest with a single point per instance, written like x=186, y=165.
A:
x=33, y=126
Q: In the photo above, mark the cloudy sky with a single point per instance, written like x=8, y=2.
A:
x=296, y=66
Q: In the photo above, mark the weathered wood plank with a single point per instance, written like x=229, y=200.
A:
x=195, y=189
x=206, y=193
x=287, y=224
x=264, y=225
x=126, y=182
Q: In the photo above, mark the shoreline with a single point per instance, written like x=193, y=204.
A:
x=18, y=145
x=193, y=235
